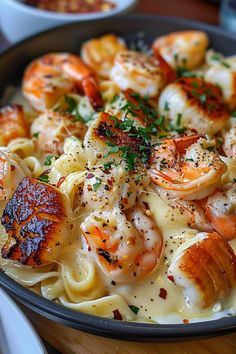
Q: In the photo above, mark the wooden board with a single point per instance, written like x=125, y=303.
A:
x=71, y=341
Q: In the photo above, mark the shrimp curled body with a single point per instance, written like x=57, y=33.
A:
x=53, y=75
x=126, y=249
x=185, y=168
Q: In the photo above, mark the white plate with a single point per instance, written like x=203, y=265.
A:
x=17, y=335
x=19, y=21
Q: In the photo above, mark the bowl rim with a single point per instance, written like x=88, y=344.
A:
x=109, y=327
x=30, y=10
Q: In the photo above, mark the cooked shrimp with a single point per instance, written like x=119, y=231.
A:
x=12, y=123
x=221, y=211
x=51, y=128
x=206, y=268
x=224, y=74
x=194, y=213
x=185, y=49
x=229, y=145
x=12, y=171
x=53, y=75
x=192, y=103
x=125, y=250
x=99, y=53
x=141, y=73
x=38, y=231
x=185, y=168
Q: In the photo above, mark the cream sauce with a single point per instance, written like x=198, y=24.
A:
x=146, y=294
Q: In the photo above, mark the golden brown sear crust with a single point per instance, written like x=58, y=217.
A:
x=211, y=265
x=206, y=96
x=111, y=132
x=12, y=123
x=34, y=219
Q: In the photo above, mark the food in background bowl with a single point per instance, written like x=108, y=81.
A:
x=18, y=20
x=120, y=201
x=74, y=6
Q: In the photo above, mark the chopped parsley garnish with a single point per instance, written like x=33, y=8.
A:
x=166, y=106
x=72, y=108
x=233, y=114
x=97, y=184
x=195, y=84
x=129, y=157
x=107, y=165
x=36, y=135
x=43, y=178
x=163, y=163
x=210, y=107
x=202, y=98
x=191, y=160
x=218, y=57
x=182, y=72
x=179, y=117
x=226, y=65
x=138, y=179
x=176, y=57
x=160, y=122
x=48, y=160
x=133, y=308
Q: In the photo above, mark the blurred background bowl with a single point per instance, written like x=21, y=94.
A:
x=19, y=20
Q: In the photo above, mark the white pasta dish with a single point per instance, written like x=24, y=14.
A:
x=117, y=180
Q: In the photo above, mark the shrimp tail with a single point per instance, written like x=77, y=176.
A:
x=169, y=73
x=90, y=89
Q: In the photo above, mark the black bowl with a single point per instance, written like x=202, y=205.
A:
x=69, y=38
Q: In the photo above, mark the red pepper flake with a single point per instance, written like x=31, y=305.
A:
x=13, y=167
x=111, y=181
x=146, y=205
x=171, y=278
x=185, y=321
x=163, y=293
x=117, y=315
x=89, y=175
x=61, y=180
x=125, y=201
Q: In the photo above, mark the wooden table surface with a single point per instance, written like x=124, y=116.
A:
x=70, y=341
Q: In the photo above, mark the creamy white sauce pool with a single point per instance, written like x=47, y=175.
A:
x=145, y=295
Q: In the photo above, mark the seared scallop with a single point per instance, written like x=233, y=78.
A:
x=224, y=74
x=192, y=103
x=184, y=48
x=137, y=71
x=107, y=138
x=12, y=123
x=37, y=220
x=206, y=268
